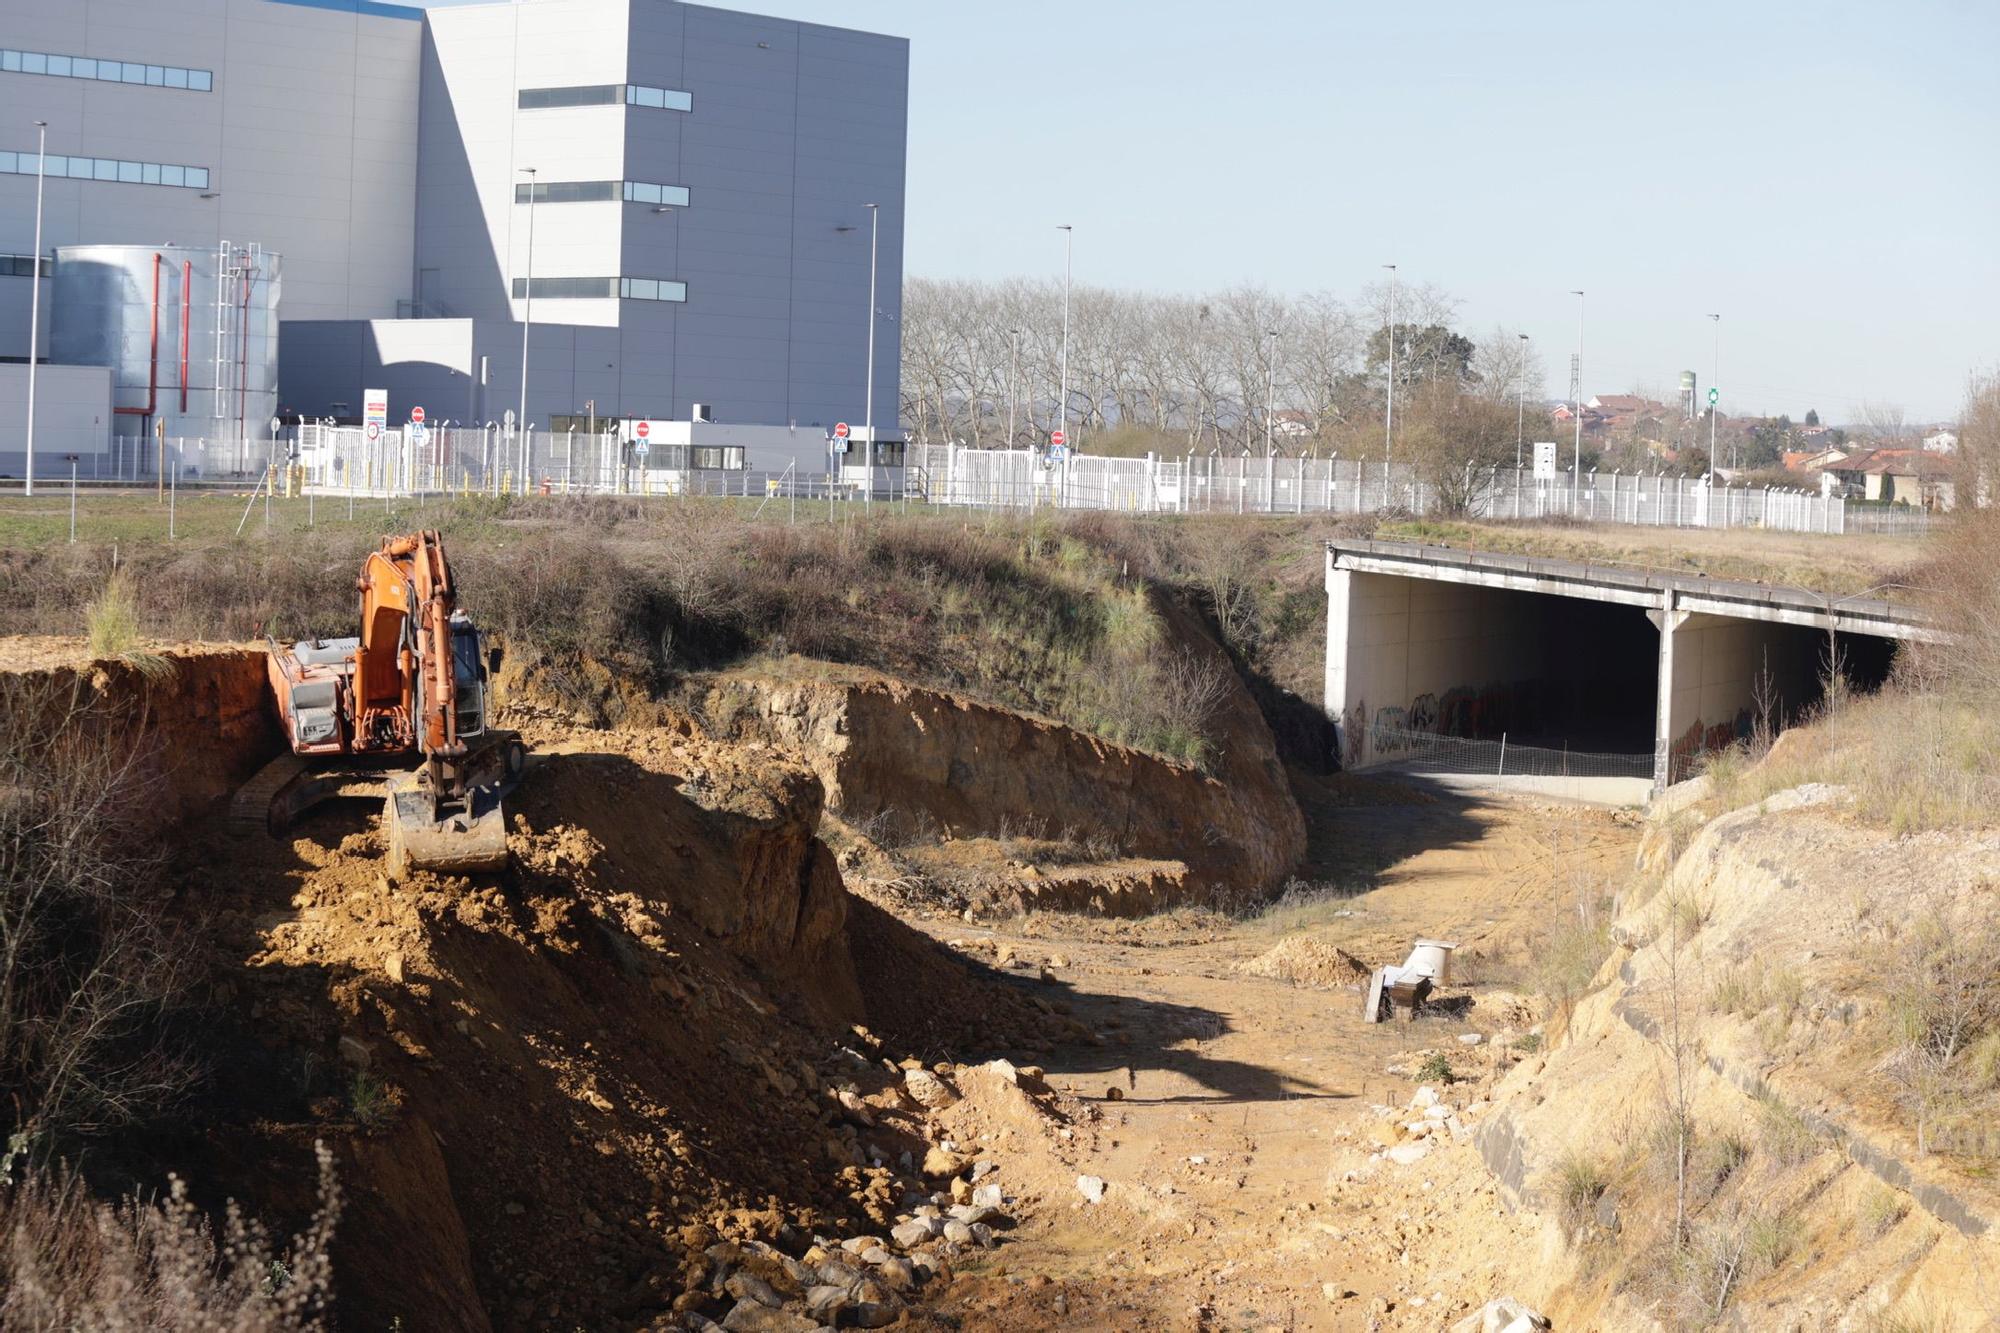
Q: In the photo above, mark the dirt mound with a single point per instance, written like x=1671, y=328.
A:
x=555, y=1089
x=1307, y=960
x=928, y=765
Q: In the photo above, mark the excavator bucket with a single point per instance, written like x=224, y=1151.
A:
x=467, y=838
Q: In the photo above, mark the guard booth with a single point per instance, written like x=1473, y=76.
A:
x=890, y=471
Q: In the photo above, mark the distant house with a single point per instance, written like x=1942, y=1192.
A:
x=1291, y=424
x=1896, y=476
x=1941, y=441
x=1813, y=460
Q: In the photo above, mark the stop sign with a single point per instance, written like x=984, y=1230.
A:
x=417, y=415
x=643, y=429
x=1058, y=438
x=840, y=430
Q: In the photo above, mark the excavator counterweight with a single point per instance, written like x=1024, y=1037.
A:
x=411, y=684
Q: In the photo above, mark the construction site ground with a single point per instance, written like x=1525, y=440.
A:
x=1244, y=1184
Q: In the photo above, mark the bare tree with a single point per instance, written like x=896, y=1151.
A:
x=1886, y=424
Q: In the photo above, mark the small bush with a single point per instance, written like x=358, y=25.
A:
x=1579, y=1183
x=371, y=1101
x=1881, y=1209
x=113, y=619
x=1436, y=1068
x=1782, y=1135
x=1569, y=960
x=1769, y=1240
x=1720, y=1156
x=1528, y=1042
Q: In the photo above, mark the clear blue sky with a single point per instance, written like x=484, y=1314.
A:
x=1820, y=173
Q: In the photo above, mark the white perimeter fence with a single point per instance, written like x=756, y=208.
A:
x=454, y=460
x=1019, y=479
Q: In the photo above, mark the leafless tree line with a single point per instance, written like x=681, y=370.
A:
x=983, y=364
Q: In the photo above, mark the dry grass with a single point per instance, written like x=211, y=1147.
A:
x=70, y=1262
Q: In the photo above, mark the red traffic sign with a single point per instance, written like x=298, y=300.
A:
x=840, y=430
x=417, y=415
x=374, y=431
x=643, y=429
x=1058, y=438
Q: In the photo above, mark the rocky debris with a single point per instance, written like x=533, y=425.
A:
x=1502, y=1314
x=1407, y=1135
x=928, y=1090
x=1091, y=1188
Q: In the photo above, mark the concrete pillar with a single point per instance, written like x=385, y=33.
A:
x=1339, y=598
x=1667, y=620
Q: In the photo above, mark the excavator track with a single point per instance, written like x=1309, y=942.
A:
x=250, y=809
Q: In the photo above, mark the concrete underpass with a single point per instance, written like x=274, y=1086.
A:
x=1634, y=671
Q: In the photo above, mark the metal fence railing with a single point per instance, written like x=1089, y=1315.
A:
x=1022, y=479
x=1429, y=752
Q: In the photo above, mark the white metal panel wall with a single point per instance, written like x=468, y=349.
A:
x=307, y=136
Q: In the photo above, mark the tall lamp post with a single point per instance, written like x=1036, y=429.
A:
x=1013, y=361
x=1270, y=389
x=1062, y=406
x=1576, y=462
x=527, y=323
x=1389, y=414
x=1714, y=383
x=1521, y=402
x=874, y=233
x=35, y=302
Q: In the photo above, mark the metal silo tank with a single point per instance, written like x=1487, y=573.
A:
x=190, y=334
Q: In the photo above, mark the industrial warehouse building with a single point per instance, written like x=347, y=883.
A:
x=260, y=208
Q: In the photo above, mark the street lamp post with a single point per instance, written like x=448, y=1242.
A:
x=1714, y=383
x=1062, y=406
x=1270, y=391
x=1521, y=402
x=1013, y=361
x=35, y=306
x=1576, y=461
x=874, y=232
x=527, y=323
x=1389, y=414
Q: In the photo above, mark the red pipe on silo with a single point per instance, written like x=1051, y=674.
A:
x=153, y=374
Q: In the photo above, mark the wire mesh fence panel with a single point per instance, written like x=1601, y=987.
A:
x=1429, y=752
x=1212, y=484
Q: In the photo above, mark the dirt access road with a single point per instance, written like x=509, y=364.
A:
x=1239, y=1188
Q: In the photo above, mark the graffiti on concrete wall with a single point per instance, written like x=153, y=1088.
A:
x=1354, y=734
x=1478, y=713
x=1706, y=738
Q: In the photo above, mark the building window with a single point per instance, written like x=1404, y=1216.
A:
x=23, y=266
x=607, y=94
x=106, y=169
x=658, y=98
x=591, y=192
x=570, y=288
x=652, y=289
x=643, y=192
x=567, y=192
x=532, y=99
x=106, y=71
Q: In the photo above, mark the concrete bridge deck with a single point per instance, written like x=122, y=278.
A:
x=1476, y=643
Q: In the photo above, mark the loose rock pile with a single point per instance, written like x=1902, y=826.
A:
x=1407, y=1134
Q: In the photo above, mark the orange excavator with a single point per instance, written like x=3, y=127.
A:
x=412, y=682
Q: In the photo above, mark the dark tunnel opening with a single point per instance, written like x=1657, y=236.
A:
x=1573, y=678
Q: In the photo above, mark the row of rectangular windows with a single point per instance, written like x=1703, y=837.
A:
x=629, y=289
x=23, y=266
x=594, y=192
x=106, y=71
x=605, y=94
x=107, y=169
